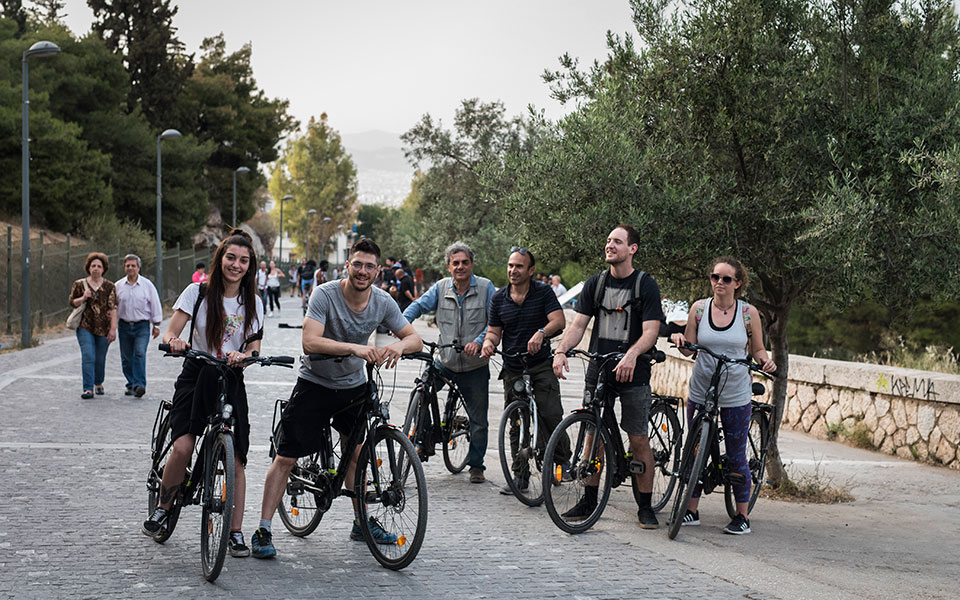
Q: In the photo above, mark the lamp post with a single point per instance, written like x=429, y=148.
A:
x=282, y=200
x=39, y=49
x=237, y=170
x=306, y=231
x=323, y=239
x=166, y=135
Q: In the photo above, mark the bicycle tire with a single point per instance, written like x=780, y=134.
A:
x=299, y=510
x=664, y=434
x=757, y=441
x=587, y=461
x=516, y=452
x=400, y=505
x=218, y=484
x=410, y=421
x=161, y=447
x=695, y=457
x=456, y=433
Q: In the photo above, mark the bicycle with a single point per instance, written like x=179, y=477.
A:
x=210, y=481
x=423, y=425
x=598, y=455
x=386, y=463
x=703, y=442
x=521, y=422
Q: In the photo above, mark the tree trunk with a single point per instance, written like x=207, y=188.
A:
x=781, y=355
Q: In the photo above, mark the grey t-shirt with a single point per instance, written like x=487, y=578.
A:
x=343, y=324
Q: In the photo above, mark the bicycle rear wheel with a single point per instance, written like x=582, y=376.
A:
x=664, y=431
x=160, y=451
x=398, y=505
x=218, y=484
x=456, y=433
x=565, y=486
x=691, y=466
x=299, y=509
x=519, y=458
x=757, y=461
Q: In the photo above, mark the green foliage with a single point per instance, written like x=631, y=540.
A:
x=112, y=232
x=572, y=273
x=317, y=171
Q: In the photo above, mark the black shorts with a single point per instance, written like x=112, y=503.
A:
x=311, y=408
x=195, y=397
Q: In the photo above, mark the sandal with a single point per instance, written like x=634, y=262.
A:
x=86, y=395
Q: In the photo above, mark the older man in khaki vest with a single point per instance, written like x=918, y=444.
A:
x=462, y=302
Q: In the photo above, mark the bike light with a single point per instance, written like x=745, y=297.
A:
x=223, y=492
x=294, y=512
x=227, y=411
x=664, y=427
x=401, y=540
x=559, y=473
x=379, y=461
x=518, y=385
x=210, y=525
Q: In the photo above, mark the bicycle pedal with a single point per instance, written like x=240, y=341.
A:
x=638, y=467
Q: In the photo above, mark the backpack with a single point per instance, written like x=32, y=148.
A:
x=631, y=304
x=698, y=314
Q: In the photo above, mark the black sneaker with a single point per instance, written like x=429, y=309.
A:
x=128, y=392
x=156, y=523
x=581, y=510
x=740, y=525
x=139, y=391
x=691, y=518
x=235, y=545
x=648, y=519
x=262, y=542
x=522, y=484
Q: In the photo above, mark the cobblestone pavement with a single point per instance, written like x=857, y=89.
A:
x=72, y=474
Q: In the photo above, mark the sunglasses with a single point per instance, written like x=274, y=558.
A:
x=717, y=278
x=519, y=250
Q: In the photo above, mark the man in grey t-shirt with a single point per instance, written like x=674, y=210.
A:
x=341, y=316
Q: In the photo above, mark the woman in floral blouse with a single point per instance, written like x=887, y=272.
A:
x=98, y=325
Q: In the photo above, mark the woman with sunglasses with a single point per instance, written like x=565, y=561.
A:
x=727, y=325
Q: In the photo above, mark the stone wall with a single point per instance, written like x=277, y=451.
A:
x=913, y=414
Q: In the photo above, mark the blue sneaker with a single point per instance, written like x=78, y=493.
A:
x=262, y=543
x=380, y=535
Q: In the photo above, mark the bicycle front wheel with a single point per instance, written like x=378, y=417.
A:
x=218, y=484
x=456, y=433
x=576, y=492
x=392, y=499
x=691, y=466
x=757, y=461
x=664, y=431
x=520, y=459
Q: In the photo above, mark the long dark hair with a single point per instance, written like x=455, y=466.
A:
x=216, y=319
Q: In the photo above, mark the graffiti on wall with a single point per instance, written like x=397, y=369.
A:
x=907, y=387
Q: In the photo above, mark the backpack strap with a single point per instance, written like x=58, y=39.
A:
x=196, y=307
x=631, y=304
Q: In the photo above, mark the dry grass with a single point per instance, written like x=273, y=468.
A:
x=814, y=487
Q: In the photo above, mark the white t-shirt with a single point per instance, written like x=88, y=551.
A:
x=233, y=332
x=261, y=279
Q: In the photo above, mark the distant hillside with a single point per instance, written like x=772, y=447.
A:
x=383, y=173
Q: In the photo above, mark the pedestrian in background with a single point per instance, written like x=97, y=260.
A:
x=138, y=306
x=200, y=275
x=294, y=281
x=262, y=282
x=98, y=325
x=273, y=285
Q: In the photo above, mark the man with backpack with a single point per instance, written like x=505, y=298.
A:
x=626, y=304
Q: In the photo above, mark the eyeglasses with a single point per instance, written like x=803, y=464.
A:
x=717, y=278
x=519, y=250
x=359, y=266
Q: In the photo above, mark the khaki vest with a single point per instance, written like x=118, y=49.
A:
x=461, y=323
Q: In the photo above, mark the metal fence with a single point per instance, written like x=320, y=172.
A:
x=54, y=268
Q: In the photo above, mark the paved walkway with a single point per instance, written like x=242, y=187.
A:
x=72, y=474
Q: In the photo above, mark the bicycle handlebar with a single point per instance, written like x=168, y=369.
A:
x=433, y=346
x=653, y=356
x=747, y=362
x=263, y=361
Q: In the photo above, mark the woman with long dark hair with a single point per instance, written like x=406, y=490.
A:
x=226, y=328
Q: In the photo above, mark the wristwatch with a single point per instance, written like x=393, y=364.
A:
x=543, y=331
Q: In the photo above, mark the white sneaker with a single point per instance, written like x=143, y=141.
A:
x=271, y=314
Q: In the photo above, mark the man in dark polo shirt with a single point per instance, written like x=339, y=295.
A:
x=524, y=315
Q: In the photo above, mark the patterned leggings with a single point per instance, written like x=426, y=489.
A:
x=736, y=429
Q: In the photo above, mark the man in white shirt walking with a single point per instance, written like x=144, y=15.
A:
x=138, y=307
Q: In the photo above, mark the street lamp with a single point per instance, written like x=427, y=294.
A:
x=306, y=230
x=237, y=170
x=282, y=200
x=323, y=239
x=166, y=135
x=38, y=49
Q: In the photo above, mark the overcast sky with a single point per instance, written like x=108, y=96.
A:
x=382, y=64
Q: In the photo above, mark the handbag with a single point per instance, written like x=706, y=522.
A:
x=73, y=321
